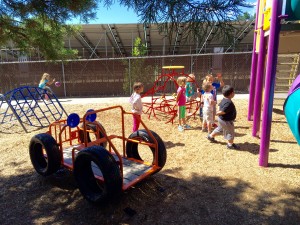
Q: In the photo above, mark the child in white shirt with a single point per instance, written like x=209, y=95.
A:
x=208, y=107
x=137, y=105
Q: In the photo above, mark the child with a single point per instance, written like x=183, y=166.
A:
x=180, y=101
x=137, y=106
x=209, y=78
x=44, y=84
x=227, y=114
x=190, y=90
x=208, y=104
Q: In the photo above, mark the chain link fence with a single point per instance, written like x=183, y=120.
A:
x=115, y=76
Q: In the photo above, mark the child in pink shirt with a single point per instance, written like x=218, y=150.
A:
x=137, y=105
x=180, y=101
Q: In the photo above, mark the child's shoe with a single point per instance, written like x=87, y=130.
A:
x=186, y=126
x=233, y=146
x=204, y=130
x=211, y=139
x=180, y=128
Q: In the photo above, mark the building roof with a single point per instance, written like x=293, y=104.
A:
x=116, y=40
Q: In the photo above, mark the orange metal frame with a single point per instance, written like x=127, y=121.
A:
x=167, y=104
x=67, y=137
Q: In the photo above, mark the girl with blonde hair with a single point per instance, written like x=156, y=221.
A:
x=44, y=84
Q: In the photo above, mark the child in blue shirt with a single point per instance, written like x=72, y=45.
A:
x=190, y=88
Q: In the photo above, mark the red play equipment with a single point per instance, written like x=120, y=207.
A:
x=162, y=104
x=102, y=166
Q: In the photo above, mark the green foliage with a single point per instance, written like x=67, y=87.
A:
x=41, y=25
x=246, y=16
x=139, y=49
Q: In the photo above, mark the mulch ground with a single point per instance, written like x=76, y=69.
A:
x=201, y=183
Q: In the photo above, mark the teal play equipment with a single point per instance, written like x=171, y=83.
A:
x=28, y=106
x=292, y=9
x=291, y=109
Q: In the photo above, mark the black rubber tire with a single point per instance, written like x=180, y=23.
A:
x=44, y=164
x=94, y=129
x=88, y=185
x=133, y=152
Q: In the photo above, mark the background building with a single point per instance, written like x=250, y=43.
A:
x=105, y=57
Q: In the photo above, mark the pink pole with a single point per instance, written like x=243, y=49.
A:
x=270, y=83
x=253, y=69
x=259, y=84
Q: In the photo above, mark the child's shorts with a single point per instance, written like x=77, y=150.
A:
x=208, y=115
x=181, y=112
x=227, y=127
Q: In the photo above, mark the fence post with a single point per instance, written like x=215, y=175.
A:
x=191, y=65
x=64, y=79
x=129, y=74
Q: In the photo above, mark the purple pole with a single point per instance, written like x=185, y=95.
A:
x=253, y=68
x=270, y=83
x=259, y=84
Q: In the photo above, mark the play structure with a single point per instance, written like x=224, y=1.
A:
x=263, y=71
x=162, y=104
x=27, y=105
x=83, y=145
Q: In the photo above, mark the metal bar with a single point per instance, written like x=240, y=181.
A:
x=207, y=38
x=242, y=33
x=94, y=50
x=14, y=112
x=87, y=42
x=64, y=77
x=177, y=39
x=115, y=39
x=141, y=57
x=253, y=69
x=145, y=35
x=259, y=84
x=270, y=83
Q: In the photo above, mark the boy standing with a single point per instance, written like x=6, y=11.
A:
x=227, y=114
x=208, y=104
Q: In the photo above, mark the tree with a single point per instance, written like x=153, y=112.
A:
x=137, y=69
x=246, y=16
x=41, y=24
x=191, y=16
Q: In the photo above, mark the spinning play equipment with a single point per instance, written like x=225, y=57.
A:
x=27, y=106
x=162, y=105
x=263, y=70
x=291, y=109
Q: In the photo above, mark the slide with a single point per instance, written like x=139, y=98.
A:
x=295, y=85
x=291, y=109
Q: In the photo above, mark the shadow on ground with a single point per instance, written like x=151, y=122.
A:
x=161, y=199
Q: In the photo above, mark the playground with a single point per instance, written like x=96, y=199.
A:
x=201, y=183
